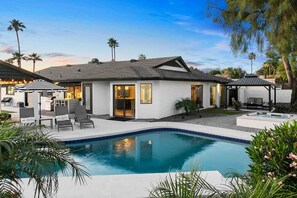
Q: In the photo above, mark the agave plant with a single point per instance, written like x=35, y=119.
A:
x=192, y=185
x=29, y=152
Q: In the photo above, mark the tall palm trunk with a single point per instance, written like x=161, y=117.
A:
x=33, y=66
x=114, y=54
x=251, y=66
x=111, y=53
x=291, y=80
x=19, y=48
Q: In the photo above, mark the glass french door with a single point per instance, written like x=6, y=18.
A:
x=197, y=94
x=124, y=100
x=87, y=97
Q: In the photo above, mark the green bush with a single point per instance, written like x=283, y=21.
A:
x=274, y=154
x=188, y=105
x=236, y=105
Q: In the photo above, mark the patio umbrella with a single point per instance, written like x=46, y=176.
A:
x=39, y=86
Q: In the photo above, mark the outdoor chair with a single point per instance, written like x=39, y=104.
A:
x=6, y=100
x=254, y=103
x=27, y=116
x=82, y=117
x=62, y=119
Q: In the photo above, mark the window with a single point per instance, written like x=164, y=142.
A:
x=10, y=90
x=213, y=95
x=146, y=93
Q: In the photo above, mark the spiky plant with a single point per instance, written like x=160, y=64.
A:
x=192, y=185
x=29, y=152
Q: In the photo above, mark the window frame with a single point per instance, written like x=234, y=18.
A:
x=151, y=85
x=7, y=93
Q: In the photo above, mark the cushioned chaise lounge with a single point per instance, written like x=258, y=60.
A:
x=82, y=117
x=62, y=119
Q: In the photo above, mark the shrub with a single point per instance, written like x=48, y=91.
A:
x=188, y=105
x=274, y=154
x=236, y=105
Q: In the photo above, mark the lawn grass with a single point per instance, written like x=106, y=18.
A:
x=4, y=111
x=220, y=111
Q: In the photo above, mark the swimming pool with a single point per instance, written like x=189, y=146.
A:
x=159, y=152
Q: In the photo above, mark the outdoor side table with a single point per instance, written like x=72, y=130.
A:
x=47, y=119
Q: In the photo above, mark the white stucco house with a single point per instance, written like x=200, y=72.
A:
x=140, y=89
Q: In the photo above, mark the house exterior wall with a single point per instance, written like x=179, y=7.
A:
x=282, y=95
x=17, y=97
x=169, y=92
x=101, y=97
x=164, y=96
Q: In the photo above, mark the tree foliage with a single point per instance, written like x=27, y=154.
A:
x=270, y=24
x=28, y=152
x=234, y=73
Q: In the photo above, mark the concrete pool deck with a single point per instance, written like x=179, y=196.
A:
x=131, y=185
x=119, y=186
x=104, y=128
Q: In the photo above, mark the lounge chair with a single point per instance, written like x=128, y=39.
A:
x=62, y=119
x=6, y=100
x=82, y=117
x=27, y=116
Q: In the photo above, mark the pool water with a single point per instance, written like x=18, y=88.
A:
x=160, y=152
x=270, y=115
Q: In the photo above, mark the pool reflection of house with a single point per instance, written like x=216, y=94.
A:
x=148, y=152
x=141, y=89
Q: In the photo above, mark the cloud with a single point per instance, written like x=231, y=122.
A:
x=56, y=54
x=223, y=46
x=194, y=64
x=211, y=33
x=6, y=49
x=182, y=23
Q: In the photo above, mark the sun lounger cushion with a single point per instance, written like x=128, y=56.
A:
x=28, y=120
x=62, y=117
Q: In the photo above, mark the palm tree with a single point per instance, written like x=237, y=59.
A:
x=192, y=185
x=141, y=57
x=18, y=57
x=113, y=43
x=252, y=56
x=17, y=26
x=34, y=57
x=26, y=151
x=10, y=60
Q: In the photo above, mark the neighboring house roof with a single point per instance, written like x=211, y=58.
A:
x=148, y=69
x=9, y=72
x=250, y=80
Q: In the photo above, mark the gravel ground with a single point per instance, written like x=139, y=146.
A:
x=227, y=121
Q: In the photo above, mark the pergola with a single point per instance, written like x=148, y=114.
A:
x=252, y=80
x=12, y=75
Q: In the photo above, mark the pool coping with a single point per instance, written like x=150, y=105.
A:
x=153, y=129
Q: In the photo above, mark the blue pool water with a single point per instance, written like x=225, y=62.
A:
x=160, y=152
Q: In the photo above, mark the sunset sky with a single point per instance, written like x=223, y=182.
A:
x=70, y=32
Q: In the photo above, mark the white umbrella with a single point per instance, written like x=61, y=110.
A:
x=39, y=86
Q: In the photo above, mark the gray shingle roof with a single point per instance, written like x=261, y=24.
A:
x=147, y=69
x=8, y=72
x=250, y=80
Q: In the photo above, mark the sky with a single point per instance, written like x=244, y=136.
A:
x=73, y=32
